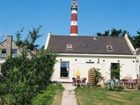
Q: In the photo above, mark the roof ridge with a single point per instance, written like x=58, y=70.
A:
x=88, y=36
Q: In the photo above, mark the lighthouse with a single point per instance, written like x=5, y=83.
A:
x=74, y=20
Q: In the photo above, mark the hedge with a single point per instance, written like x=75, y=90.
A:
x=25, y=77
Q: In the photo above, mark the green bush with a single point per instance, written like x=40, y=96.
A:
x=25, y=77
x=3, y=88
x=118, y=88
x=7, y=100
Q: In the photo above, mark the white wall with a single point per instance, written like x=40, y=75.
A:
x=128, y=66
x=138, y=65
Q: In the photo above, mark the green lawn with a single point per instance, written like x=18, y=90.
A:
x=99, y=96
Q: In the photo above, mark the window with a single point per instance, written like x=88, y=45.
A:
x=64, y=69
x=14, y=52
x=109, y=47
x=3, y=53
x=69, y=47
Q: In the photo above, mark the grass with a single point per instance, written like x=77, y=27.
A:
x=50, y=96
x=100, y=96
x=58, y=97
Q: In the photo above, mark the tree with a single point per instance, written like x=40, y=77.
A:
x=137, y=40
x=113, y=32
x=106, y=33
x=121, y=33
x=30, y=41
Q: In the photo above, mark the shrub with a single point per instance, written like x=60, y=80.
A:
x=3, y=88
x=118, y=88
x=2, y=79
x=113, y=85
x=26, y=77
x=97, y=76
x=7, y=100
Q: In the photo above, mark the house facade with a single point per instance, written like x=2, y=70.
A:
x=8, y=48
x=81, y=53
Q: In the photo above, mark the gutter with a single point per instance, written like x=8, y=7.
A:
x=97, y=55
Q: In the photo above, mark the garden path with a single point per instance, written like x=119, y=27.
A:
x=68, y=97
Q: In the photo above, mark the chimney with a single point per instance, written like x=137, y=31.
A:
x=9, y=45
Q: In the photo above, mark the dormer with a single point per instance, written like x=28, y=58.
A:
x=109, y=47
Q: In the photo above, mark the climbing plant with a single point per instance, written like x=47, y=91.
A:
x=115, y=71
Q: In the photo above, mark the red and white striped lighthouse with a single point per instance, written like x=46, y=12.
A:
x=74, y=23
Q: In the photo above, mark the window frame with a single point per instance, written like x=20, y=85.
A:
x=14, y=53
x=109, y=47
x=65, y=67
x=3, y=53
x=69, y=47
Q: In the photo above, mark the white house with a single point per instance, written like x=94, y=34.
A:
x=81, y=53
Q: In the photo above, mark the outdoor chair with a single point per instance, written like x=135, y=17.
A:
x=129, y=83
x=74, y=81
x=123, y=82
x=83, y=82
x=78, y=81
x=135, y=83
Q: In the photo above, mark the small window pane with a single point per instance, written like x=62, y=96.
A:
x=69, y=47
x=3, y=53
x=14, y=52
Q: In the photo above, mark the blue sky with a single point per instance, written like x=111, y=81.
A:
x=54, y=16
